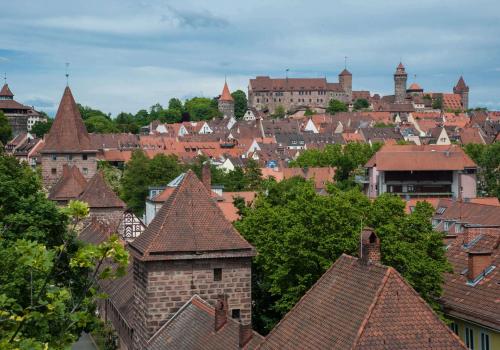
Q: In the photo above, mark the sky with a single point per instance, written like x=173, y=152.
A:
x=126, y=55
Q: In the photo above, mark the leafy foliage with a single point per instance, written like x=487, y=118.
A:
x=487, y=157
x=41, y=128
x=299, y=234
x=279, y=112
x=202, y=108
x=240, y=103
x=48, y=279
x=335, y=106
x=5, y=129
x=100, y=124
x=437, y=103
x=361, y=103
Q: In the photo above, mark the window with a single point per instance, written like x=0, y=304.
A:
x=85, y=171
x=447, y=225
x=235, y=313
x=84, y=157
x=54, y=157
x=53, y=171
x=70, y=157
x=218, y=274
x=454, y=327
x=485, y=341
x=469, y=338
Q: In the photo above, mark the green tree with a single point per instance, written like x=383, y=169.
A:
x=41, y=128
x=86, y=112
x=112, y=175
x=299, y=234
x=141, y=172
x=361, y=103
x=437, y=103
x=308, y=112
x=5, y=129
x=202, y=108
x=487, y=157
x=48, y=280
x=240, y=103
x=175, y=103
x=335, y=106
x=100, y=124
x=142, y=118
x=279, y=112
x=125, y=122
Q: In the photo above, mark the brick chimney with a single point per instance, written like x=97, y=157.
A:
x=478, y=261
x=245, y=334
x=220, y=311
x=206, y=176
x=370, y=247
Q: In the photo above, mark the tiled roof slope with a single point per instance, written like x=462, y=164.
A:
x=98, y=194
x=68, y=133
x=358, y=306
x=189, y=224
x=5, y=92
x=69, y=186
x=193, y=328
x=420, y=158
x=226, y=95
x=471, y=213
x=479, y=303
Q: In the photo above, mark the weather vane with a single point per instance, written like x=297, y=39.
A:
x=67, y=74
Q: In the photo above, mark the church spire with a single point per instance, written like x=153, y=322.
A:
x=226, y=95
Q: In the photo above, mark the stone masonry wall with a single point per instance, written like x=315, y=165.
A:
x=140, y=307
x=48, y=164
x=105, y=215
x=170, y=284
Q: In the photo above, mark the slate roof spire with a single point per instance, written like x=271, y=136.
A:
x=68, y=133
x=190, y=225
x=226, y=95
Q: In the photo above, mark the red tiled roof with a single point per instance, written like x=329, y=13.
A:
x=345, y=72
x=469, y=212
x=98, y=194
x=5, y=92
x=452, y=101
x=226, y=95
x=11, y=104
x=189, y=224
x=69, y=186
x=68, y=133
x=420, y=158
x=361, y=306
x=414, y=86
x=471, y=135
x=280, y=84
x=320, y=175
x=461, y=85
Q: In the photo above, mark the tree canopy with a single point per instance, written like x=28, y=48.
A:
x=202, y=108
x=41, y=128
x=48, y=278
x=240, y=103
x=361, y=103
x=299, y=234
x=487, y=157
x=335, y=106
x=5, y=129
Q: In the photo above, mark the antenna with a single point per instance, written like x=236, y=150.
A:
x=67, y=74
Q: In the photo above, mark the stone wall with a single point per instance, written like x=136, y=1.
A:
x=168, y=285
x=105, y=215
x=48, y=163
x=226, y=108
x=400, y=88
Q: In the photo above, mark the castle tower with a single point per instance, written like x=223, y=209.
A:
x=400, y=78
x=462, y=90
x=226, y=103
x=5, y=93
x=67, y=143
x=345, y=81
x=189, y=248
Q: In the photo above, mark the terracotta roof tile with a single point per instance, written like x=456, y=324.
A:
x=5, y=92
x=68, y=133
x=226, y=95
x=98, y=194
x=69, y=186
x=189, y=224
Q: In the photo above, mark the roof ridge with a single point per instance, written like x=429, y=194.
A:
x=372, y=306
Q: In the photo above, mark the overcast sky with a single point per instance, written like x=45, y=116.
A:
x=129, y=54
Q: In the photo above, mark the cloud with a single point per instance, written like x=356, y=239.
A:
x=40, y=102
x=3, y=59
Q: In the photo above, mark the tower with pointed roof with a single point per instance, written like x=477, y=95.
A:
x=463, y=90
x=17, y=113
x=226, y=102
x=67, y=143
x=189, y=248
x=345, y=81
x=400, y=78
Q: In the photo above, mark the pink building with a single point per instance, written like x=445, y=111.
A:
x=413, y=171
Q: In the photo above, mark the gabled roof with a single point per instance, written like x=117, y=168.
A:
x=98, y=194
x=192, y=327
x=68, y=133
x=361, y=306
x=5, y=92
x=226, y=95
x=69, y=186
x=190, y=225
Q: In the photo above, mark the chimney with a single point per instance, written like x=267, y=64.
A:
x=206, y=175
x=245, y=334
x=220, y=311
x=478, y=261
x=370, y=247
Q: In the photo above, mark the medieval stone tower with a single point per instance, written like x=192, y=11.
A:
x=189, y=248
x=67, y=143
x=226, y=103
x=463, y=90
x=345, y=81
x=400, y=78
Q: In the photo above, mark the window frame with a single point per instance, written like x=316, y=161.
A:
x=217, y=274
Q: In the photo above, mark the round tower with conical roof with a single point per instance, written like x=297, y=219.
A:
x=400, y=78
x=226, y=102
